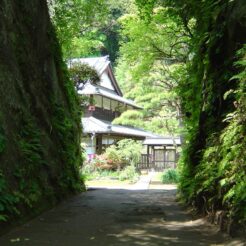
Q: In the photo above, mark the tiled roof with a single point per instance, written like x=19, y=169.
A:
x=90, y=89
x=98, y=63
x=162, y=141
x=93, y=125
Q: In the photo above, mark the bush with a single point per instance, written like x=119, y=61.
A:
x=170, y=176
x=130, y=151
x=129, y=173
x=101, y=162
x=118, y=161
x=126, y=152
x=114, y=158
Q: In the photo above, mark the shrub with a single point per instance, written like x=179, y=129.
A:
x=129, y=173
x=100, y=162
x=87, y=168
x=114, y=157
x=126, y=152
x=130, y=151
x=170, y=176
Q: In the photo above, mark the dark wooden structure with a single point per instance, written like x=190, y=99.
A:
x=161, y=154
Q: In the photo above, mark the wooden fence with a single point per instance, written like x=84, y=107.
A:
x=151, y=162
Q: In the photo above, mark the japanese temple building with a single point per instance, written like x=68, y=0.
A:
x=108, y=104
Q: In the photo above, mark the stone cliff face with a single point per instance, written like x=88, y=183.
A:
x=39, y=118
x=213, y=168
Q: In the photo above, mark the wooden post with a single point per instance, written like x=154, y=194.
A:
x=153, y=156
x=99, y=144
x=148, y=156
x=175, y=158
x=164, y=159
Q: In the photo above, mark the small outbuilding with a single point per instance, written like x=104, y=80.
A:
x=161, y=153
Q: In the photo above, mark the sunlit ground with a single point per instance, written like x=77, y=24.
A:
x=107, y=183
x=154, y=183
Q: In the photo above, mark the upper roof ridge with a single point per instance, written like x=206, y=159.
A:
x=100, y=64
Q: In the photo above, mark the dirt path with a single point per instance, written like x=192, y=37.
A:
x=107, y=217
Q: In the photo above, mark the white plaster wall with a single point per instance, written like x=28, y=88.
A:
x=106, y=82
x=90, y=145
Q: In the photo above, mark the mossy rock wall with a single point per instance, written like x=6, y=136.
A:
x=39, y=114
x=213, y=169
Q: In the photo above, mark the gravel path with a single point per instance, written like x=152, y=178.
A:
x=107, y=217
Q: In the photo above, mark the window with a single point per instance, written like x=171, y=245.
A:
x=98, y=101
x=107, y=141
x=170, y=155
x=114, y=105
x=106, y=103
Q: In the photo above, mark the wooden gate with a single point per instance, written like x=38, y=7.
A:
x=160, y=160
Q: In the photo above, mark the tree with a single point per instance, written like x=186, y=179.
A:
x=212, y=166
x=77, y=23
x=88, y=28
x=151, y=66
x=210, y=93
x=82, y=73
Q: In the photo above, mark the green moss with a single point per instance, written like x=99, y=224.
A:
x=8, y=201
x=213, y=174
x=69, y=142
x=39, y=139
x=2, y=141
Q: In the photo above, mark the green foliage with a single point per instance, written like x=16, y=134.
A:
x=81, y=73
x=88, y=28
x=116, y=157
x=129, y=173
x=170, y=176
x=130, y=118
x=29, y=144
x=66, y=127
x=130, y=151
x=220, y=176
x=2, y=140
x=118, y=161
x=31, y=151
x=69, y=141
x=156, y=50
x=90, y=173
x=39, y=119
x=212, y=166
x=146, y=8
x=176, y=60
x=109, y=161
x=73, y=21
x=113, y=157
x=8, y=201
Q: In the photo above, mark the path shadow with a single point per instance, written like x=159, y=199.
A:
x=115, y=217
